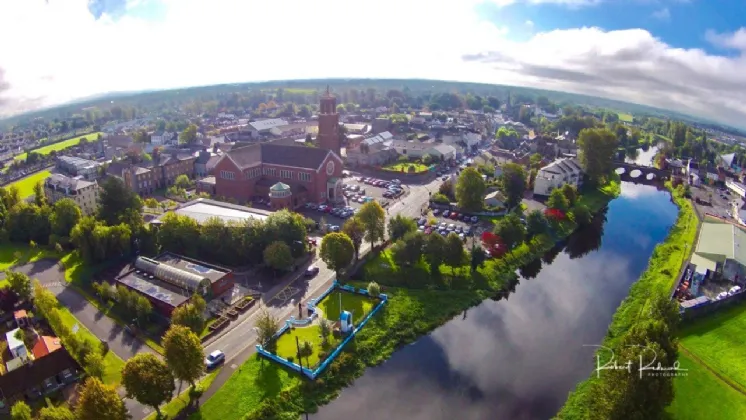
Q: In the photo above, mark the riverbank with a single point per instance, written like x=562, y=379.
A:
x=656, y=282
x=260, y=389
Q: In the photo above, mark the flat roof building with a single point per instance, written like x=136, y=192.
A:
x=170, y=280
x=203, y=209
x=719, y=250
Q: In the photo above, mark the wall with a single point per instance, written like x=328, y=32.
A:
x=699, y=311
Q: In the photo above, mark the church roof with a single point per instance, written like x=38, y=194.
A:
x=278, y=154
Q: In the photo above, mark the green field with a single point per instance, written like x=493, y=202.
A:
x=404, y=167
x=701, y=395
x=26, y=185
x=288, y=348
x=719, y=341
x=624, y=117
x=359, y=305
x=45, y=150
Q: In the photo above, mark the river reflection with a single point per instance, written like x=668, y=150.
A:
x=519, y=357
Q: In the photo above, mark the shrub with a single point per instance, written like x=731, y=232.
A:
x=374, y=289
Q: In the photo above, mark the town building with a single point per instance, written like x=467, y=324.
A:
x=375, y=150
x=203, y=209
x=160, y=138
x=557, y=174
x=258, y=128
x=76, y=166
x=170, y=280
x=161, y=172
x=314, y=174
x=719, y=250
x=83, y=193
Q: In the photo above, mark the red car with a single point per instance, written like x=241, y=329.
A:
x=453, y=215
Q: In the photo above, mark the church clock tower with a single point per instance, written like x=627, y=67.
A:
x=328, y=137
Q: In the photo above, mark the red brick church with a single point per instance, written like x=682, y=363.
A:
x=290, y=175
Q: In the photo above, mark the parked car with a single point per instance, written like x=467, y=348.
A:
x=312, y=271
x=446, y=213
x=474, y=219
x=214, y=359
x=454, y=216
x=436, y=212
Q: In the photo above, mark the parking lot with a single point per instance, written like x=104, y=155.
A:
x=357, y=192
x=720, y=201
x=446, y=222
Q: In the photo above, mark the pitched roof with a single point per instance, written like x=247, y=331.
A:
x=728, y=159
x=267, y=124
x=28, y=376
x=116, y=168
x=45, y=345
x=62, y=181
x=278, y=154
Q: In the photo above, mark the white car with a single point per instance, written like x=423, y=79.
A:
x=214, y=359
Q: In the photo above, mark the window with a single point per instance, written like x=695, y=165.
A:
x=227, y=175
x=253, y=173
x=304, y=176
x=286, y=174
x=270, y=171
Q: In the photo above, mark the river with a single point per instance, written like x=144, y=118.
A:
x=517, y=358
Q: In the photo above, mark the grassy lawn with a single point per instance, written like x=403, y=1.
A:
x=26, y=185
x=45, y=150
x=8, y=254
x=701, y=395
x=718, y=341
x=404, y=167
x=113, y=364
x=624, y=117
x=174, y=407
x=287, y=348
x=359, y=305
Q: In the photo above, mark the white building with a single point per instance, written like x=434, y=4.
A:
x=416, y=149
x=16, y=346
x=159, y=138
x=83, y=193
x=557, y=174
x=265, y=126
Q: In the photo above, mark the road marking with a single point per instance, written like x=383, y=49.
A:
x=234, y=366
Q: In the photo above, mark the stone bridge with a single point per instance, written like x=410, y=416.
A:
x=639, y=173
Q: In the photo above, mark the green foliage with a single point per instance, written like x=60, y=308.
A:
x=267, y=326
x=510, y=230
x=399, y=226
x=118, y=204
x=20, y=283
x=183, y=353
x=29, y=222
x=374, y=289
x=373, y=217
x=435, y=251
x=571, y=193
x=189, y=134
x=557, y=200
x=65, y=215
x=536, y=223
x=191, y=315
x=582, y=215
x=337, y=251
x=512, y=183
x=454, y=253
x=148, y=380
x=470, y=189
x=182, y=181
x=408, y=250
x=98, y=401
x=355, y=230
x=20, y=411
x=59, y=412
x=597, y=147
x=439, y=198
x=277, y=256
x=93, y=363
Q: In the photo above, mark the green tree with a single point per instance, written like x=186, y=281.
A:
x=117, y=203
x=179, y=234
x=183, y=182
x=288, y=227
x=374, y=289
x=148, y=380
x=510, y=230
x=93, y=364
x=40, y=197
x=470, y=189
x=278, y=256
x=305, y=350
x=20, y=283
x=21, y=411
x=266, y=327
x=65, y=215
x=191, y=315
x=597, y=147
x=98, y=401
x=183, y=353
x=151, y=203
x=408, y=250
x=355, y=229
x=325, y=329
x=373, y=217
x=512, y=183
x=59, y=412
x=557, y=200
x=582, y=215
x=478, y=257
x=189, y=135
x=571, y=193
x=400, y=226
x=536, y=223
x=455, y=255
x=434, y=250
x=337, y=251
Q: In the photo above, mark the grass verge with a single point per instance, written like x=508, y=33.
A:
x=261, y=389
x=658, y=279
x=404, y=167
x=173, y=408
x=62, y=145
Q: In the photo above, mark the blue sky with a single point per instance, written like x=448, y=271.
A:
x=685, y=55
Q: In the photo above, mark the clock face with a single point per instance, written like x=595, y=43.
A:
x=330, y=167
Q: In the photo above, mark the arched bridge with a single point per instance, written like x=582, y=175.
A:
x=639, y=173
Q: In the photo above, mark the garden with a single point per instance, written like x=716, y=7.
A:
x=334, y=318
x=415, y=167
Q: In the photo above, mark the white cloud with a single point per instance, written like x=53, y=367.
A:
x=569, y=3
x=529, y=23
x=662, y=14
x=59, y=51
x=735, y=40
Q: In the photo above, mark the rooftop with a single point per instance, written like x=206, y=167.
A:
x=157, y=289
x=66, y=182
x=77, y=162
x=210, y=271
x=203, y=209
x=268, y=124
x=278, y=154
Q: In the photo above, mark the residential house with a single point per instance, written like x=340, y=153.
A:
x=556, y=174
x=83, y=193
x=443, y=152
x=494, y=199
x=205, y=163
x=372, y=151
x=160, y=138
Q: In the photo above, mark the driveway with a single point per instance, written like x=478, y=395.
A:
x=52, y=276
